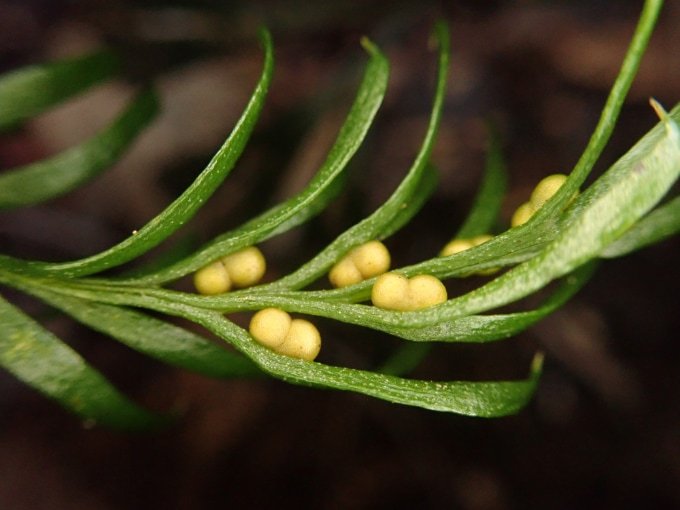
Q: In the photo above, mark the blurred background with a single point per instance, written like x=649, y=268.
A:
x=603, y=429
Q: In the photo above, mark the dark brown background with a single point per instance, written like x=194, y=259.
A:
x=602, y=431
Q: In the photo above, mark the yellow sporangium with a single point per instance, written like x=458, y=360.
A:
x=544, y=191
x=240, y=269
x=523, y=214
x=361, y=263
x=394, y=291
x=460, y=245
x=297, y=338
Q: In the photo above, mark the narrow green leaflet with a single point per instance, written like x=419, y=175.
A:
x=487, y=328
x=31, y=90
x=610, y=113
x=399, y=207
x=186, y=205
x=480, y=220
x=52, y=177
x=309, y=201
x=153, y=337
x=605, y=211
x=483, y=399
x=661, y=223
x=41, y=360
x=597, y=218
x=487, y=204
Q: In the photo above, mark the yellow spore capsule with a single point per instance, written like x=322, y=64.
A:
x=212, y=279
x=240, y=269
x=476, y=241
x=361, y=263
x=297, y=338
x=393, y=291
x=270, y=327
x=545, y=189
x=523, y=214
x=456, y=246
x=245, y=267
x=303, y=341
x=426, y=291
x=344, y=273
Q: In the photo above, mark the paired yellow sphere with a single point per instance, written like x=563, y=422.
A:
x=543, y=192
x=240, y=269
x=459, y=245
x=363, y=262
x=394, y=291
x=275, y=329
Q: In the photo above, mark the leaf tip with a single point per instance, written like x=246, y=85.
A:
x=440, y=35
x=658, y=109
x=265, y=36
x=368, y=45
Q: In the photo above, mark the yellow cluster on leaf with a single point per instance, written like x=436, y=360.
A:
x=543, y=192
x=394, y=291
x=240, y=269
x=275, y=329
x=361, y=263
x=459, y=245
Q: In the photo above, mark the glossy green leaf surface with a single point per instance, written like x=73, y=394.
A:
x=188, y=203
x=155, y=338
x=483, y=399
x=661, y=223
x=554, y=253
x=41, y=360
x=52, y=177
x=310, y=200
x=399, y=207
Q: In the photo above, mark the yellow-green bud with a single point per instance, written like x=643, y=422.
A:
x=456, y=246
x=303, y=341
x=296, y=338
x=545, y=189
x=523, y=214
x=240, y=269
x=394, y=291
x=270, y=327
x=361, y=263
x=212, y=279
x=245, y=267
x=426, y=291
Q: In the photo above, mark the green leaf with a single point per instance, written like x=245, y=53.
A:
x=49, y=178
x=484, y=399
x=184, y=207
x=610, y=113
x=487, y=204
x=41, y=360
x=156, y=338
x=661, y=223
x=486, y=328
x=31, y=90
x=406, y=200
x=309, y=201
x=606, y=210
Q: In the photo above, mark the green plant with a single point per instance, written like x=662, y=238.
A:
x=562, y=240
